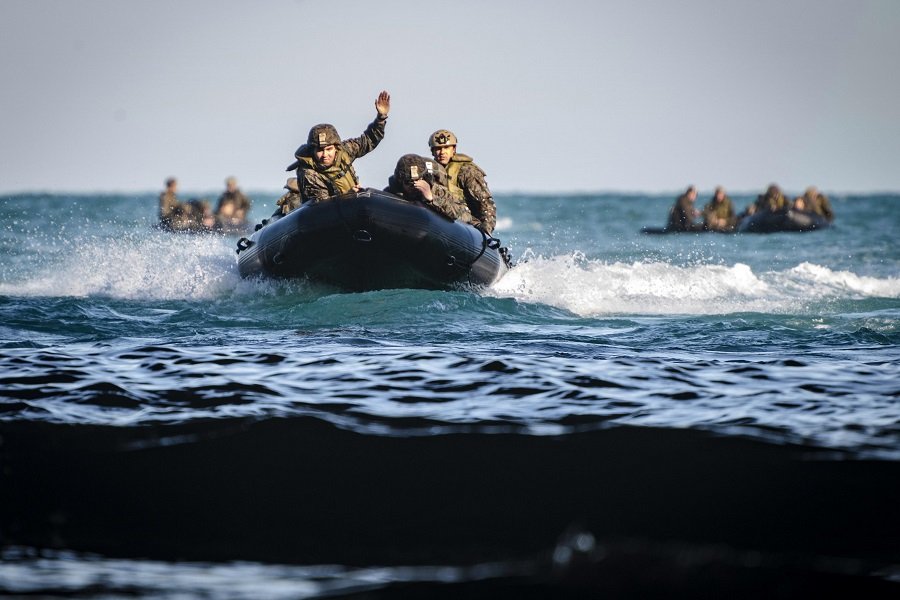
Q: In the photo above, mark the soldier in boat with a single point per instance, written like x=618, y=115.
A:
x=465, y=179
x=683, y=213
x=815, y=201
x=168, y=203
x=175, y=215
x=325, y=162
x=718, y=214
x=232, y=207
x=291, y=199
x=418, y=178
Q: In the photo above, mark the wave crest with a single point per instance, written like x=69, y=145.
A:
x=590, y=288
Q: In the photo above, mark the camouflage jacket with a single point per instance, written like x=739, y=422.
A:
x=821, y=206
x=236, y=199
x=190, y=216
x=443, y=203
x=722, y=210
x=290, y=201
x=320, y=183
x=681, y=215
x=168, y=204
x=772, y=202
x=466, y=181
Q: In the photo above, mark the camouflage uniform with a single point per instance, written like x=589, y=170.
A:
x=176, y=215
x=681, y=215
x=317, y=182
x=466, y=181
x=773, y=200
x=723, y=210
x=168, y=205
x=190, y=216
x=291, y=199
x=818, y=203
x=411, y=167
x=239, y=203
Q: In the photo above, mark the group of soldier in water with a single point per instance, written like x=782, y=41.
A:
x=197, y=215
x=719, y=215
x=448, y=182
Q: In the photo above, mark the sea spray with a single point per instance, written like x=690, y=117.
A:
x=595, y=288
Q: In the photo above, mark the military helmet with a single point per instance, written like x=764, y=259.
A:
x=410, y=167
x=323, y=135
x=292, y=185
x=441, y=137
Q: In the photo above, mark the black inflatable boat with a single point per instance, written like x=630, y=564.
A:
x=371, y=240
x=665, y=230
x=783, y=220
x=789, y=220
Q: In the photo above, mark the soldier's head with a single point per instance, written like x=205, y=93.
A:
x=292, y=186
x=410, y=169
x=719, y=194
x=231, y=184
x=324, y=139
x=443, y=145
x=691, y=193
x=171, y=184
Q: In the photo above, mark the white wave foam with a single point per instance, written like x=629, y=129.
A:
x=590, y=288
x=161, y=266
x=158, y=266
x=503, y=224
x=809, y=278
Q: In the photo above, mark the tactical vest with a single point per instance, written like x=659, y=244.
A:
x=722, y=210
x=168, y=203
x=775, y=202
x=341, y=175
x=815, y=204
x=453, y=167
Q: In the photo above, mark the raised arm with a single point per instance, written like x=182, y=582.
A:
x=373, y=134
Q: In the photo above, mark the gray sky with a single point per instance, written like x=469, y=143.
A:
x=631, y=95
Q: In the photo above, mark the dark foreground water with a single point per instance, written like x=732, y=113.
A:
x=621, y=416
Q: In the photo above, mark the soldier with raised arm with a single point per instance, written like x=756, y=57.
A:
x=325, y=162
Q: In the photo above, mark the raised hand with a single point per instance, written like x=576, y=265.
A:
x=383, y=103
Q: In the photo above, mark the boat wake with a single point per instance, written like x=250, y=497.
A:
x=140, y=266
x=595, y=288
x=156, y=266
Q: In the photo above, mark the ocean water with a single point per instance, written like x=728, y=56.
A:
x=712, y=409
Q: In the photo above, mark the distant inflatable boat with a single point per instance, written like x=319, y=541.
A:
x=372, y=240
x=790, y=220
x=665, y=230
x=783, y=220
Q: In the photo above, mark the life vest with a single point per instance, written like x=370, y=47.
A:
x=341, y=175
x=168, y=203
x=818, y=204
x=771, y=202
x=722, y=210
x=453, y=167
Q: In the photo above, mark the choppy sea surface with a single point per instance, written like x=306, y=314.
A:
x=702, y=407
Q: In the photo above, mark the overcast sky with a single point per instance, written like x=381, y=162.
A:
x=631, y=95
